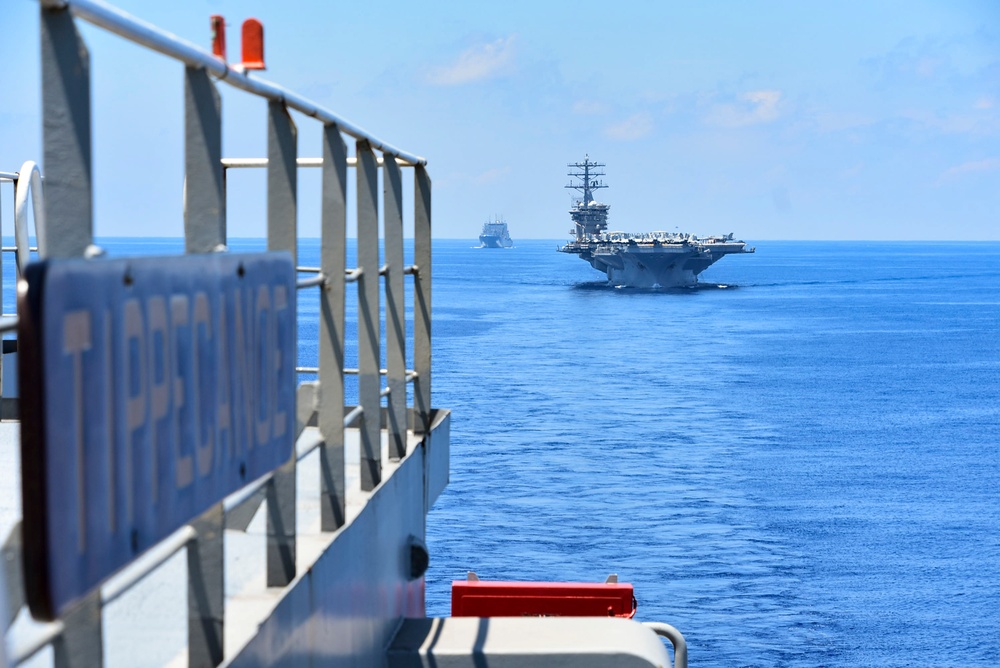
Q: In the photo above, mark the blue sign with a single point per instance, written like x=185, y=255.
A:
x=151, y=389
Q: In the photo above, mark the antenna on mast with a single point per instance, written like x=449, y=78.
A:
x=587, y=184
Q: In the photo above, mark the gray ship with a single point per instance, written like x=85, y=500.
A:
x=646, y=260
x=495, y=235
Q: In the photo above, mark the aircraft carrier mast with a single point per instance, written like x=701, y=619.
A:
x=590, y=216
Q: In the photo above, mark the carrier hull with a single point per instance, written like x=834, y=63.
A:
x=655, y=264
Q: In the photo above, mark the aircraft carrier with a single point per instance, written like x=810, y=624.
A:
x=645, y=260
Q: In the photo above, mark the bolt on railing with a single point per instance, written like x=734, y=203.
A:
x=65, y=230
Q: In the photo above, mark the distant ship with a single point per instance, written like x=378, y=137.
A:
x=646, y=260
x=495, y=235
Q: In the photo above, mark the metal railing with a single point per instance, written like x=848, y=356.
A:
x=27, y=182
x=64, y=227
x=676, y=639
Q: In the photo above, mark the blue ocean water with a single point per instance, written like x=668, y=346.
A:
x=796, y=464
x=799, y=469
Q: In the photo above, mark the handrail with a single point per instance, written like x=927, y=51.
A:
x=23, y=651
x=29, y=180
x=257, y=163
x=411, y=374
x=311, y=282
x=248, y=491
x=148, y=563
x=131, y=28
x=675, y=637
x=351, y=417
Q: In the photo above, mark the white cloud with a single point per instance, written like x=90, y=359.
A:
x=838, y=121
x=985, y=103
x=478, y=63
x=852, y=172
x=779, y=197
x=491, y=175
x=589, y=108
x=968, y=123
x=751, y=108
x=971, y=167
x=464, y=179
x=634, y=127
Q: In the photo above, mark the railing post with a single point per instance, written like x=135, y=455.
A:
x=68, y=188
x=369, y=381
x=204, y=232
x=66, y=135
x=204, y=193
x=12, y=574
x=282, y=179
x=422, y=299
x=333, y=262
x=395, y=308
x=80, y=643
x=206, y=590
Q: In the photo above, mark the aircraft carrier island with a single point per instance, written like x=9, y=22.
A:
x=646, y=260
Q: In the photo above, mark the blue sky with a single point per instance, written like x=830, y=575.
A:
x=773, y=120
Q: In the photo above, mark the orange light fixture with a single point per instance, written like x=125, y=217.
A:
x=218, y=36
x=253, y=45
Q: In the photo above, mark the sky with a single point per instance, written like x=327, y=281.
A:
x=817, y=120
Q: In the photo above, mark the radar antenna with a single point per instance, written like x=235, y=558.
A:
x=587, y=184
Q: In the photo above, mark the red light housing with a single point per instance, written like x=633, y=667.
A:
x=253, y=45
x=218, y=36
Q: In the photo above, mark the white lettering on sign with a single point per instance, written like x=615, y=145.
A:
x=204, y=433
x=159, y=376
x=162, y=385
x=280, y=417
x=179, y=318
x=77, y=338
x=135, y=392
x=262, y=329
x=225, y=396
x=109, y=400
x=167, y=344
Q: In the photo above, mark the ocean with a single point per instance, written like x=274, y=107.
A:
x=796, y=464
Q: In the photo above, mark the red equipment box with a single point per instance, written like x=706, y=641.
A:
x=549, y=599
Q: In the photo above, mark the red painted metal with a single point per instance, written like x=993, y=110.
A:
x=253, y=45
x=547, y=599
x=218, y=36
